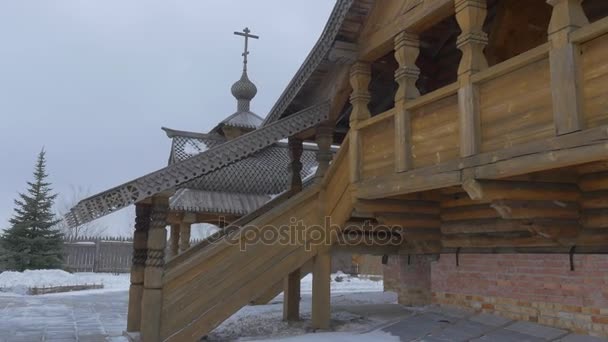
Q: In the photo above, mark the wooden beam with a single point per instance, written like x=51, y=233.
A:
x=379, y=41
x=470, y=15
x=321, y=292
x=291, y=297
x=408, y=221
x=497, y=225
x=566, y=83
x=493, y=190
x=407, y=49
x=140, y=237
x=530, y=209
x=153, y=279
x=487, y=241
x=370, y=207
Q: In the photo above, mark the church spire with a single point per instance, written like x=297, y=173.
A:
x=244, y=90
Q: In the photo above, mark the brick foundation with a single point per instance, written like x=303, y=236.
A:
x=411, y=281
x=534, y=287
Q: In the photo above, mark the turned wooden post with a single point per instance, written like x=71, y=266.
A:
x=174, y=240
x=407, y=49
x=360, y=77
x=568, y=16
x=295, y=154
x=155, y=261
x=185, y=229
x=470, y=15
x=321, y=290
x=291, y=297
x=324, y=138
x=140, y=236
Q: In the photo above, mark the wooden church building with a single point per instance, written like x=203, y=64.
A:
x=473, y=158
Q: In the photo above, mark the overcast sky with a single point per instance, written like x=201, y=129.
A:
x=93, y=81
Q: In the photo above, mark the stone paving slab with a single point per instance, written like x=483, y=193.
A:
x=98, y=317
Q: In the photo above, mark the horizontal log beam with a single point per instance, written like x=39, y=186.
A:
x=482, y=241
x=409, y=221
x=396, y=206
x=594, y=181
x=481, y=211
x=502, y=226
x=492, y=190
x=508, y=209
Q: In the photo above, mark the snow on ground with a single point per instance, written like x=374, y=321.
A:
x=341, y=283
x=20, y=282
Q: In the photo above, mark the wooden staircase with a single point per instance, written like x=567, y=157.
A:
x=208, y=283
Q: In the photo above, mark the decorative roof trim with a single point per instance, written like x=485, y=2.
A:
x=314, y=58
x=172, y=133
x=208, y=161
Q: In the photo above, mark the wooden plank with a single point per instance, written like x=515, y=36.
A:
x=435, y=132
x=568, y=150
x=377, y=149
x=529, y=209
x=595, y=81
x=291, y=297
x=516, y=108
x=512, y=64
x=493, y=190
x=469, y=114
x=496, y=225
x=396, y=206
x=483, y=241
x=590, y=32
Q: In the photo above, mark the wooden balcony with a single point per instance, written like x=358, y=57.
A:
x=517, y=130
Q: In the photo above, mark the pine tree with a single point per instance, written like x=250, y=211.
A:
x=32, y=241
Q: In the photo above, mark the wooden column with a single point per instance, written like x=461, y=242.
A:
x=470, y=15
x=567, y=16
x=142, y=224
x=295, y=153
x=185, y=230
x=291, y=297
x=321, y=292
x=360, y=77
x=155, y=261
x=407, y=49
x=174, y=240
x=324, y=138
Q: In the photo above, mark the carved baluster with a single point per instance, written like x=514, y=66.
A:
x=140, y=236
x=568, y=15
x=324, y=138
x=185, y=231
x=360, y=77
x=155, y=261
x=407, y=49
x=295, y=153
x=174, y=240
x=470, y=15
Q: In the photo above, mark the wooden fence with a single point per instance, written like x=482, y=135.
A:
x=100, y=254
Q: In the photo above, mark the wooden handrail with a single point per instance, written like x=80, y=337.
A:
x=512, y=64
x=589, y=32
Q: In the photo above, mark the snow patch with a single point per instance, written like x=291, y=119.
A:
x=20, y=282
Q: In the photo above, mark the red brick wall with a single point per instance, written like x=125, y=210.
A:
x=535, y=287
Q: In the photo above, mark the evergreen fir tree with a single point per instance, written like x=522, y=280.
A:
x=32, y=241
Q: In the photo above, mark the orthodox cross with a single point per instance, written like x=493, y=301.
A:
x=246, y=34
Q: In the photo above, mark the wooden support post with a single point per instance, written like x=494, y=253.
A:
x=185, y=230
x=140, y=236
x=360, y=77
x=407, y=49
x=174, y=245
x=155, y=261
x=291, y=297
x=295, y=153
x=324, y=138
x=321, y=292
x=470, y=15
x=568, y=15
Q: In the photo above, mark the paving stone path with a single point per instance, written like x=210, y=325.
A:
x=62, y=318
x=100, y=317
